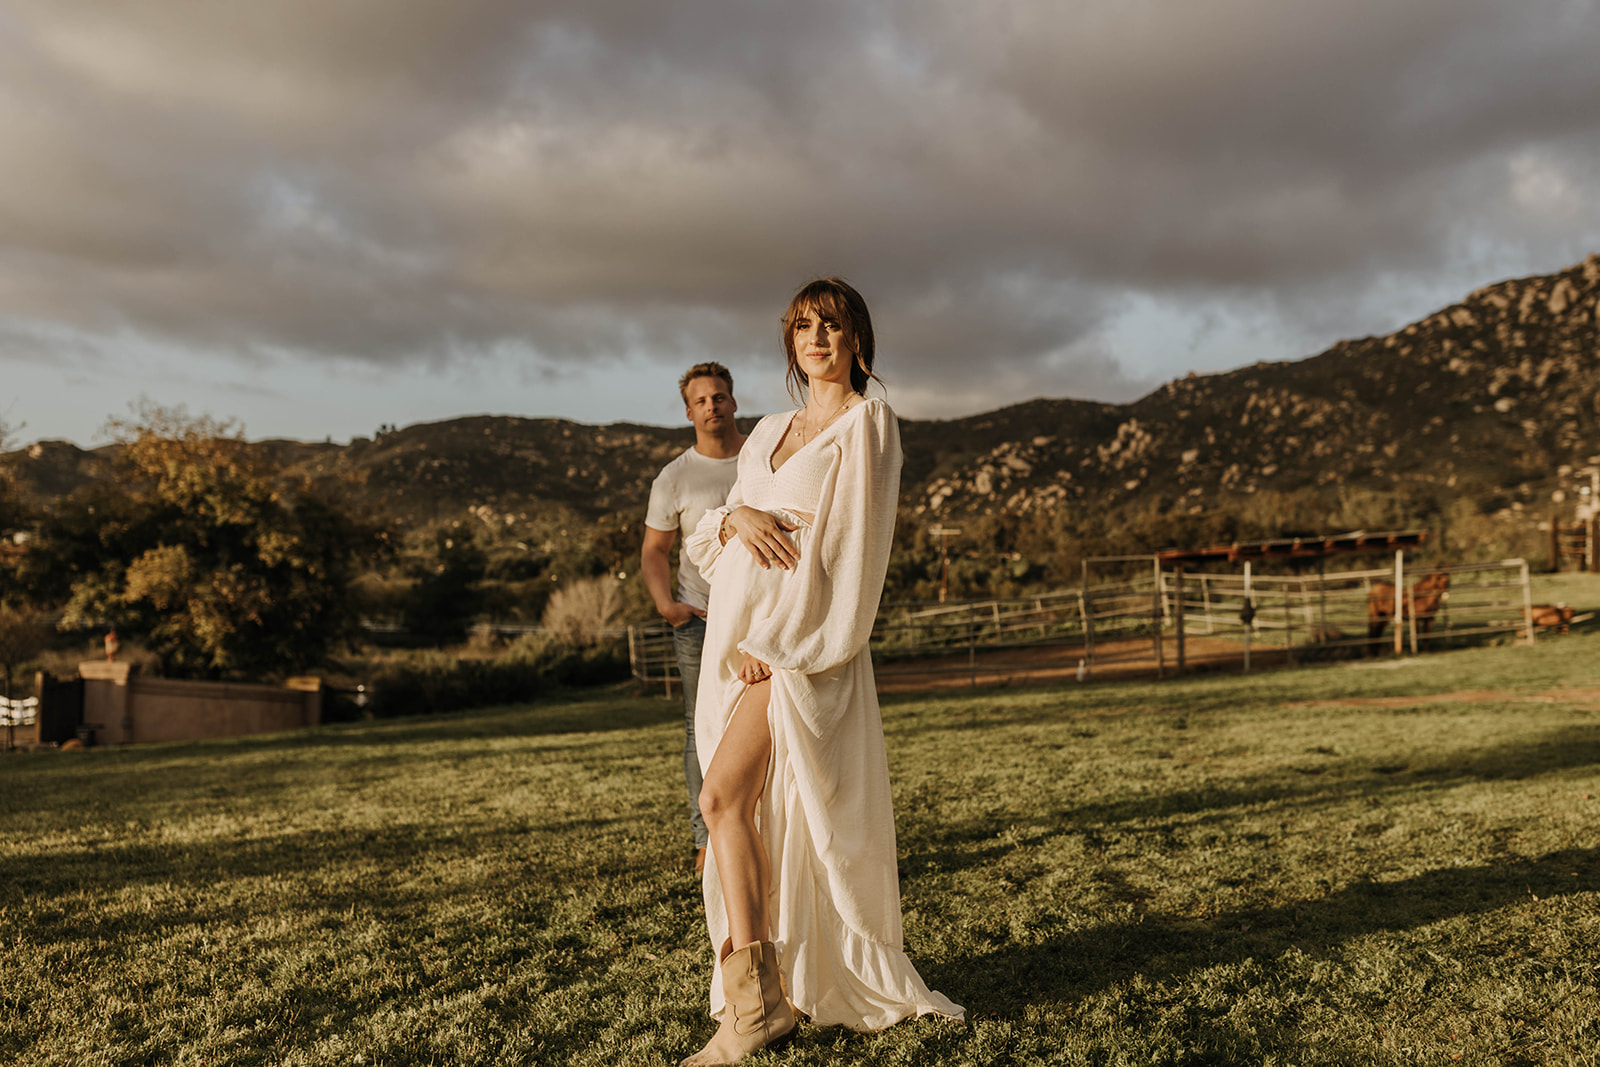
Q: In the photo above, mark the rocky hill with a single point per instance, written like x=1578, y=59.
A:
x=1487, y=399
x=432, y=470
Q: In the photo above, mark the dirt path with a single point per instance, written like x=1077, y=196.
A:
x=1137, y=658
x=1047, y=664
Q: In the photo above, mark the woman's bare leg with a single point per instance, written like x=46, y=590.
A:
x=728, y=799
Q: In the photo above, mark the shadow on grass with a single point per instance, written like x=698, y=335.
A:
x=1159, y=947
x=977, y=842
x=420, y=900
x=272, y=765
x=1164, y=947
x=568, y=713
x=392, y=915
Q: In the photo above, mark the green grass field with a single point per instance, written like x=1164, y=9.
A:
x=1395, y=862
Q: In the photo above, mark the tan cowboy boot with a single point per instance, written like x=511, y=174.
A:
x=757, y=1014
x=727, y=947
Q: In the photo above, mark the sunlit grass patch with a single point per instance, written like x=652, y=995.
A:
x=1337, y=865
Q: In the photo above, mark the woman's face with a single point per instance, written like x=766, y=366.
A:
x=822, y=347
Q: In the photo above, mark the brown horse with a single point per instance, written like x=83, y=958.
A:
x=1425, y=594
x=1552, y=615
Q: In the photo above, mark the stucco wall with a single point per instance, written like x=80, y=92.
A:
x=127, y=708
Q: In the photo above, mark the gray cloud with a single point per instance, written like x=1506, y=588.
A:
x=392, y=182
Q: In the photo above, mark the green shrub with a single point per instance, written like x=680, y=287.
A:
x=594, y=665
x=438, y=682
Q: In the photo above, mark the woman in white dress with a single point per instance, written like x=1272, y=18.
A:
x=801, y=879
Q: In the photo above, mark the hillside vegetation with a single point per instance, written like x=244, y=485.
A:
x=1467, y=421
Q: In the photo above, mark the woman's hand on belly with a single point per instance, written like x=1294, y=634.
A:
x=752, y=670
x=763, y=534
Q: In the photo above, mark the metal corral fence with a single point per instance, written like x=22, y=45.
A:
x=1111, y=626
x=948, y=638
x=651, y=655
x=1164, y=620
x=1238, y=616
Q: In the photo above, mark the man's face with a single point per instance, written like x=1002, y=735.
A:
x=710, y=404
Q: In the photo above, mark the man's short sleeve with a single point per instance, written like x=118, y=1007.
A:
x=663, y=512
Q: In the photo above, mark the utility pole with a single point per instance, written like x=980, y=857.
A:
x=944, y=533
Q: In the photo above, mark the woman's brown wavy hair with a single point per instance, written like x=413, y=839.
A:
x=835, y=299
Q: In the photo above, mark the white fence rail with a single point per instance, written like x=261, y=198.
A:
x=1355, y=611
x=1162, y=620
x=1165, y=619
x=22, y=711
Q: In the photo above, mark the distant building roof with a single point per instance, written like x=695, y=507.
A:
x=1296, y=547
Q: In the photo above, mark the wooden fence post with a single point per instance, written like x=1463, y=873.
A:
x=1322, y=608
x=1177, y=581
x=1288, y=626
x=1247, y=609
x=1399, y=600
x=1156, y=616
x=1527, y=603
x=972, y=645
x=1411, y=596
x=1088, y=625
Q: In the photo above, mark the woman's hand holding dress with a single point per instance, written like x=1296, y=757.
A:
x=752, y=670
x=763, y=534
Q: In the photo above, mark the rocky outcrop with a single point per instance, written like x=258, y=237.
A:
x=1487, y=398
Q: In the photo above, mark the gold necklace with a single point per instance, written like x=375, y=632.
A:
x=836, y=412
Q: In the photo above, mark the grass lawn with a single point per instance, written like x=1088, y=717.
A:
x=1394, y=862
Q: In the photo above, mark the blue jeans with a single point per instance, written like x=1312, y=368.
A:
x=687, y=641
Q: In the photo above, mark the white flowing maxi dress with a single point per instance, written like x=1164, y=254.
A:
x=826, y=815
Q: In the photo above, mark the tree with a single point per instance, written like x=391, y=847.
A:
x=448, y=588
x=24, y=633
x=13, y=517
x=206, y=553
x=12, y=512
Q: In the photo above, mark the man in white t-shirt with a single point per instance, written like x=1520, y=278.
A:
x=693, y=483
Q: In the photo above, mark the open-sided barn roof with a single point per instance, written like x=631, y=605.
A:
x=1296, y=547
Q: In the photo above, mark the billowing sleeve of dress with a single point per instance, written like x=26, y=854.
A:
x=702, y=545
x=824, y=617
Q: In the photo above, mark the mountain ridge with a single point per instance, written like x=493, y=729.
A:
x=1490, y=398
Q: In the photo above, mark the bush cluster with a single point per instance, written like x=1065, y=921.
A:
x=437, y=682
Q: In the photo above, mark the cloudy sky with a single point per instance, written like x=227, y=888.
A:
x=316, y=218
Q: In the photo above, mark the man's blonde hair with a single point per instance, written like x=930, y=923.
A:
x=704, y=370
